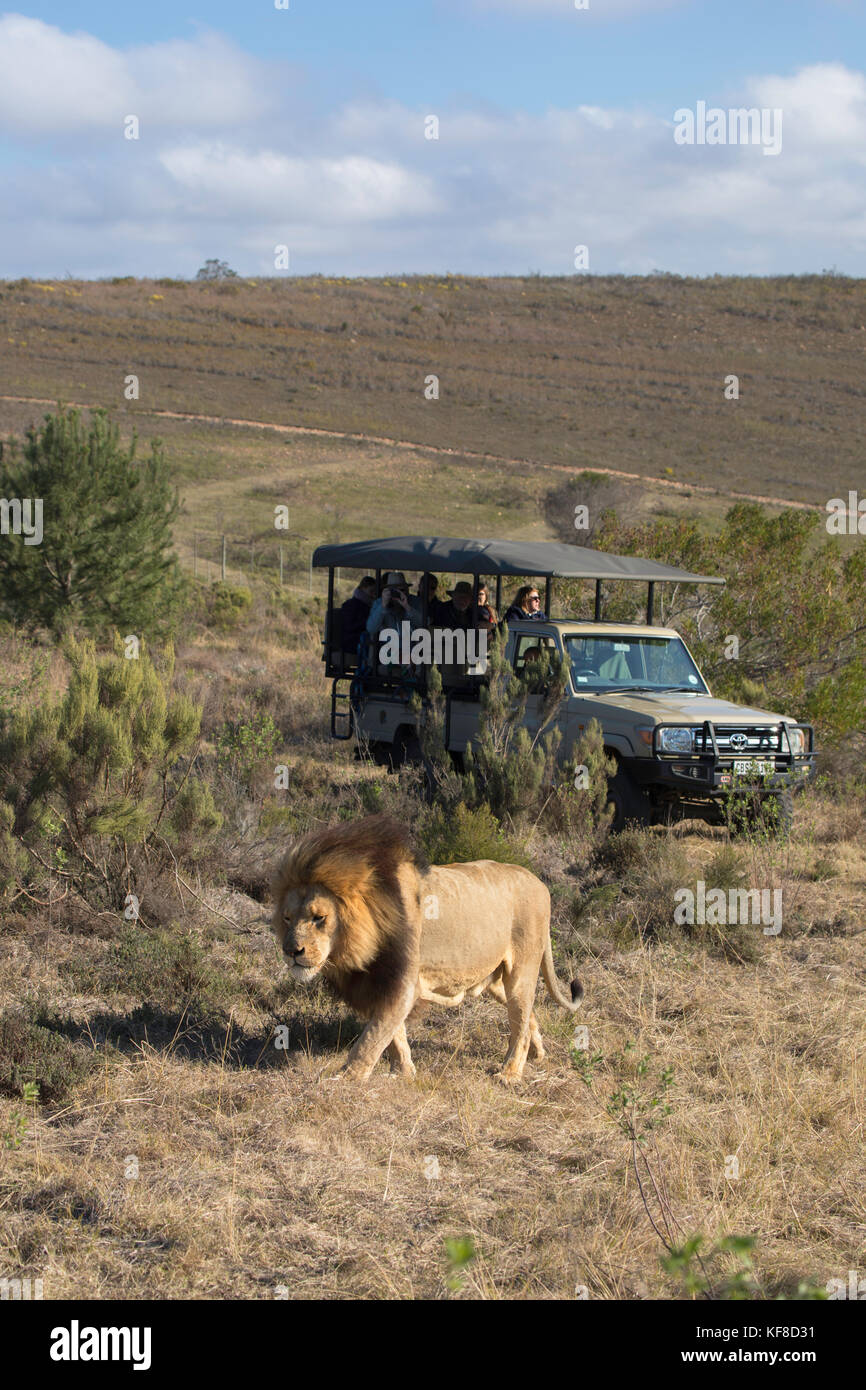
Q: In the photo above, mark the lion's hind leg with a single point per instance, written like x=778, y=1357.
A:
x=398, y=1053
x=536, y=1046
x=520, y=996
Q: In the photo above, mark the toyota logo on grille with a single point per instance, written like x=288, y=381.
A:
x=739, y=740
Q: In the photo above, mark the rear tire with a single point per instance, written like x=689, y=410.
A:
x=406, y=748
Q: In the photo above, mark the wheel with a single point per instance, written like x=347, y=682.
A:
x=406, y=748
x=629, y=804
x=380, y=753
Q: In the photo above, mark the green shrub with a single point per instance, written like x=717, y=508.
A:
x=106, y=556
x=157, y=967
x=459, y=836
x=84, y=778
x=510, y=769
x=193, y=811
x=581, y=811
x=649, y=868
x=794, y=598
x=228, y=603
x=32, y=1054
x=242, y=744
x=13, y=859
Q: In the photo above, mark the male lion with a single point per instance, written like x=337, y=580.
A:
x=387, y=933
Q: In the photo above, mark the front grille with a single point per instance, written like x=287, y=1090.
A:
x=759, y=740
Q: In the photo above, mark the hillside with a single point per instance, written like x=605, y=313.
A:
x=621, y=373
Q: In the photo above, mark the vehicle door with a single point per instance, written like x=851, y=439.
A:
x=528, y=650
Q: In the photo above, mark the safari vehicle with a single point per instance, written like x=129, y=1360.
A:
x=679, y=753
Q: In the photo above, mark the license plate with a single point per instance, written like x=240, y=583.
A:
x=750, y=767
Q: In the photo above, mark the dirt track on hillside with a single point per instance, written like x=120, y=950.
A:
x=432, y=449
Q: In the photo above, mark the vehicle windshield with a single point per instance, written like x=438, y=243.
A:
x=610, y=662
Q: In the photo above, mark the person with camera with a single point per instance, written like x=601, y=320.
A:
x=391, y=609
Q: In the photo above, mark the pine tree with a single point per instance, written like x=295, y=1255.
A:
x=105, y=557
x=510, y=769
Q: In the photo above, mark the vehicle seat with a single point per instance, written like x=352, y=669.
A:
x=616, y=668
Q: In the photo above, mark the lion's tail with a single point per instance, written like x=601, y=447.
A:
x=554, y=988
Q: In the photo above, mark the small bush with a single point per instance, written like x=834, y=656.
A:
x=466, y=834
x=507, y=768
x=228, y=603
x=193, y=811
x=650, y=869
x=158, y=967
x=243, y=744
x=85, y=778
x=579, y=803
x=624, y=851
x=725, y=869
x=30, y=1053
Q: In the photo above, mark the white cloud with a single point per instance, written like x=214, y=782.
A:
x=49, y=79
x=350, y=189
x=824, y=104
x=57, y=84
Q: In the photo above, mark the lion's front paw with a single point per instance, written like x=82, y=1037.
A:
x=353, y=1074
x=405, y=1069
x=509, y=1077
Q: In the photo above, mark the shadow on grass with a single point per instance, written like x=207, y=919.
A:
x=208, y=1039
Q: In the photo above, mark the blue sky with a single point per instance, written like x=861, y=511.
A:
x=304, y=127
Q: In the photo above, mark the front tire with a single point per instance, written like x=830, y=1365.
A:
x=629, y=804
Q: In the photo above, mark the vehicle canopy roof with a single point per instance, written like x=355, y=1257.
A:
x=551, y=559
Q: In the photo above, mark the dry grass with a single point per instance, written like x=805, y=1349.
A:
x=257, y=1171
x=252, y=1179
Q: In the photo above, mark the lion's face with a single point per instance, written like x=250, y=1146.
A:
x=305, y=924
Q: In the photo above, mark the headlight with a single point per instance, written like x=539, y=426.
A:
x=798, y=740
x=675, y=740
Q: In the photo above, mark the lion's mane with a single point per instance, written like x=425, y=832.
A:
x=359, y=864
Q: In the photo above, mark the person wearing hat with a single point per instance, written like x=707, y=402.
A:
x=460, y=612
x=391, y=608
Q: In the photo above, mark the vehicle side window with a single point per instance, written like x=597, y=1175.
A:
x=662, y=660
x=529, y=649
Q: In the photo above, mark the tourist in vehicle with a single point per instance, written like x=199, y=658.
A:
x=460, y=611
x=416, y=603
x=355, y=612
x=527, y=605
x=393, y=607
x=489, y=613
